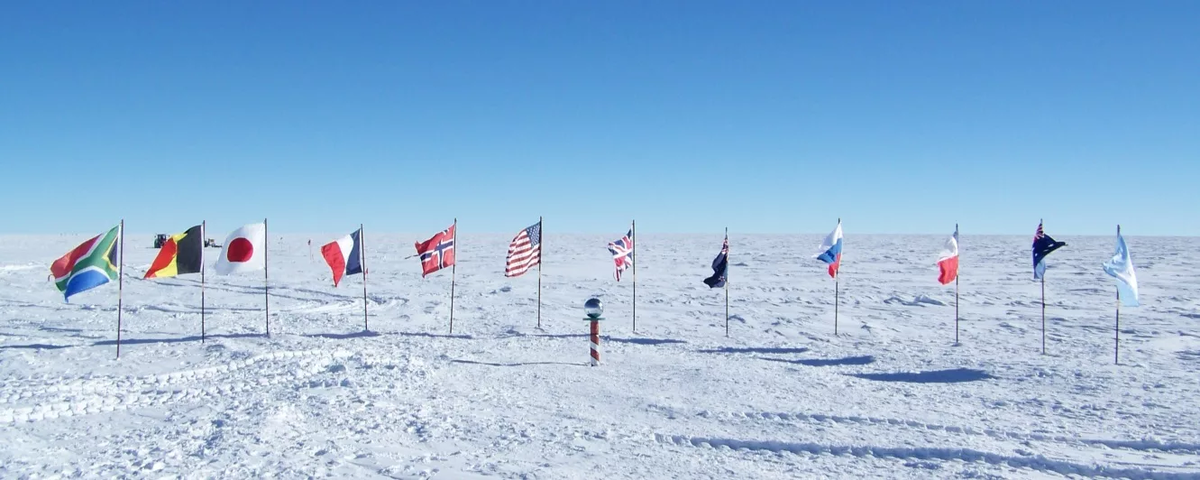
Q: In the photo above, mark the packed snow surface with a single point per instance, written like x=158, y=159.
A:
x=890, y=395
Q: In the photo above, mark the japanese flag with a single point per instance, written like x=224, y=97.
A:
x=245, y=250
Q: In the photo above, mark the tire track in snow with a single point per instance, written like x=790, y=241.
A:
x=33, y=388
x=1146, y=445
x=154, y=390
x=1039, y=463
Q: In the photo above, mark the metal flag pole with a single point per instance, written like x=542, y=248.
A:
x=726, y=283
x=836, y=281
x=633, y=252
x=362, y=262
x=266, y=278
x=1117, y=338
x=203, y=236
x=956, y=272
x=1043, y=314
x=120, y=285
x=453, y=271
x=541, y=252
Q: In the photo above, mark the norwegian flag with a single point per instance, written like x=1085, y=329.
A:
x=622, y=252
x=437, y=252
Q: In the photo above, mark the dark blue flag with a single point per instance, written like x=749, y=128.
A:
x=720, y=267
x=1042, y=246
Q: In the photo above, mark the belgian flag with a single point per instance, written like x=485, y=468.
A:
x=180, y=254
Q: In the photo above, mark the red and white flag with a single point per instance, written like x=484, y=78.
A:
x=244, y=251
x=948, y=260
x=525, y=251
x=437, y=252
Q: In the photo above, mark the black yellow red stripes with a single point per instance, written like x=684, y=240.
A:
x=182, y=253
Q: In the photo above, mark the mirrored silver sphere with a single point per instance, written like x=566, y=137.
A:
x=593, y=308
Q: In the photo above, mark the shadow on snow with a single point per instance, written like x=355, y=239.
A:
x=956, y=375
x=755, y=350
x=344, y=336
x=605, y=338
x=37, y=346
x=490, y=364
x=826, y=362
x=192, y=338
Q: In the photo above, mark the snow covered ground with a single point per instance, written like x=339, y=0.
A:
x=781, y=397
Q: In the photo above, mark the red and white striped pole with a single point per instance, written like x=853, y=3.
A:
x=594, y=309
x=595, y=342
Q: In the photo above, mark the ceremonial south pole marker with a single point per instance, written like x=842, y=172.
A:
x=594, y=309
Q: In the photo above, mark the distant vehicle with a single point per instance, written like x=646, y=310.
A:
x=161, y=239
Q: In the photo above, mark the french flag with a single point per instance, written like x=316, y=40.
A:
x=831, y=250
x=344, y=256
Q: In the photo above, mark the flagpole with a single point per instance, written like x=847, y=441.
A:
x=541, y=254
x=120, y=286
x=362, y=262
x=1117, y=337
x=203, y=236
x=633, y=247
x=956, y=287
x=266, y=278
x=726, y=283
x=1043, y=314
x=836, y=281
x=1040, y=223
x=453, y=271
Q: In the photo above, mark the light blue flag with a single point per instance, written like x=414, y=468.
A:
x=1121, y=268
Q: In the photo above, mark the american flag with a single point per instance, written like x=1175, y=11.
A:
x=1038, y=236
x=525, y=251
x=622, y=251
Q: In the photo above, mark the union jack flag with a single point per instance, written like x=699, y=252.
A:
x=622, y=252
x=437, y=252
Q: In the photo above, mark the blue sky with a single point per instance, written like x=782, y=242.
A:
x=769, y=116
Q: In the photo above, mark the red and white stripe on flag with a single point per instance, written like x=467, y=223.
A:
x=525, y=251
x=948, y=261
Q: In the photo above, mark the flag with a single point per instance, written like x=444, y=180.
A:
x=245, y=250
x=948, y=260
x=344, y=255
x=622, y=252
x=1042, y=246
x=180, y=254
x=525, y=251
x=92, y=264
x=1120, y=267
x=720, y=266
x=831, y=250
x=437, y=252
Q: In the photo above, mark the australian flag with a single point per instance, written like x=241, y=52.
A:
x=1042, y=246
x=720, y=267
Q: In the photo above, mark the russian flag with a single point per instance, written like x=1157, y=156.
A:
x=344, y=255
x=948, y=260
x=831, y=250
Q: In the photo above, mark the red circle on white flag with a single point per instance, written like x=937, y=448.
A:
x=240, y=250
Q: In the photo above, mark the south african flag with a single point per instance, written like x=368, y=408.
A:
x=92, y=264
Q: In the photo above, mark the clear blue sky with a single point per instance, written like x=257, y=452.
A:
x=765, y=116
